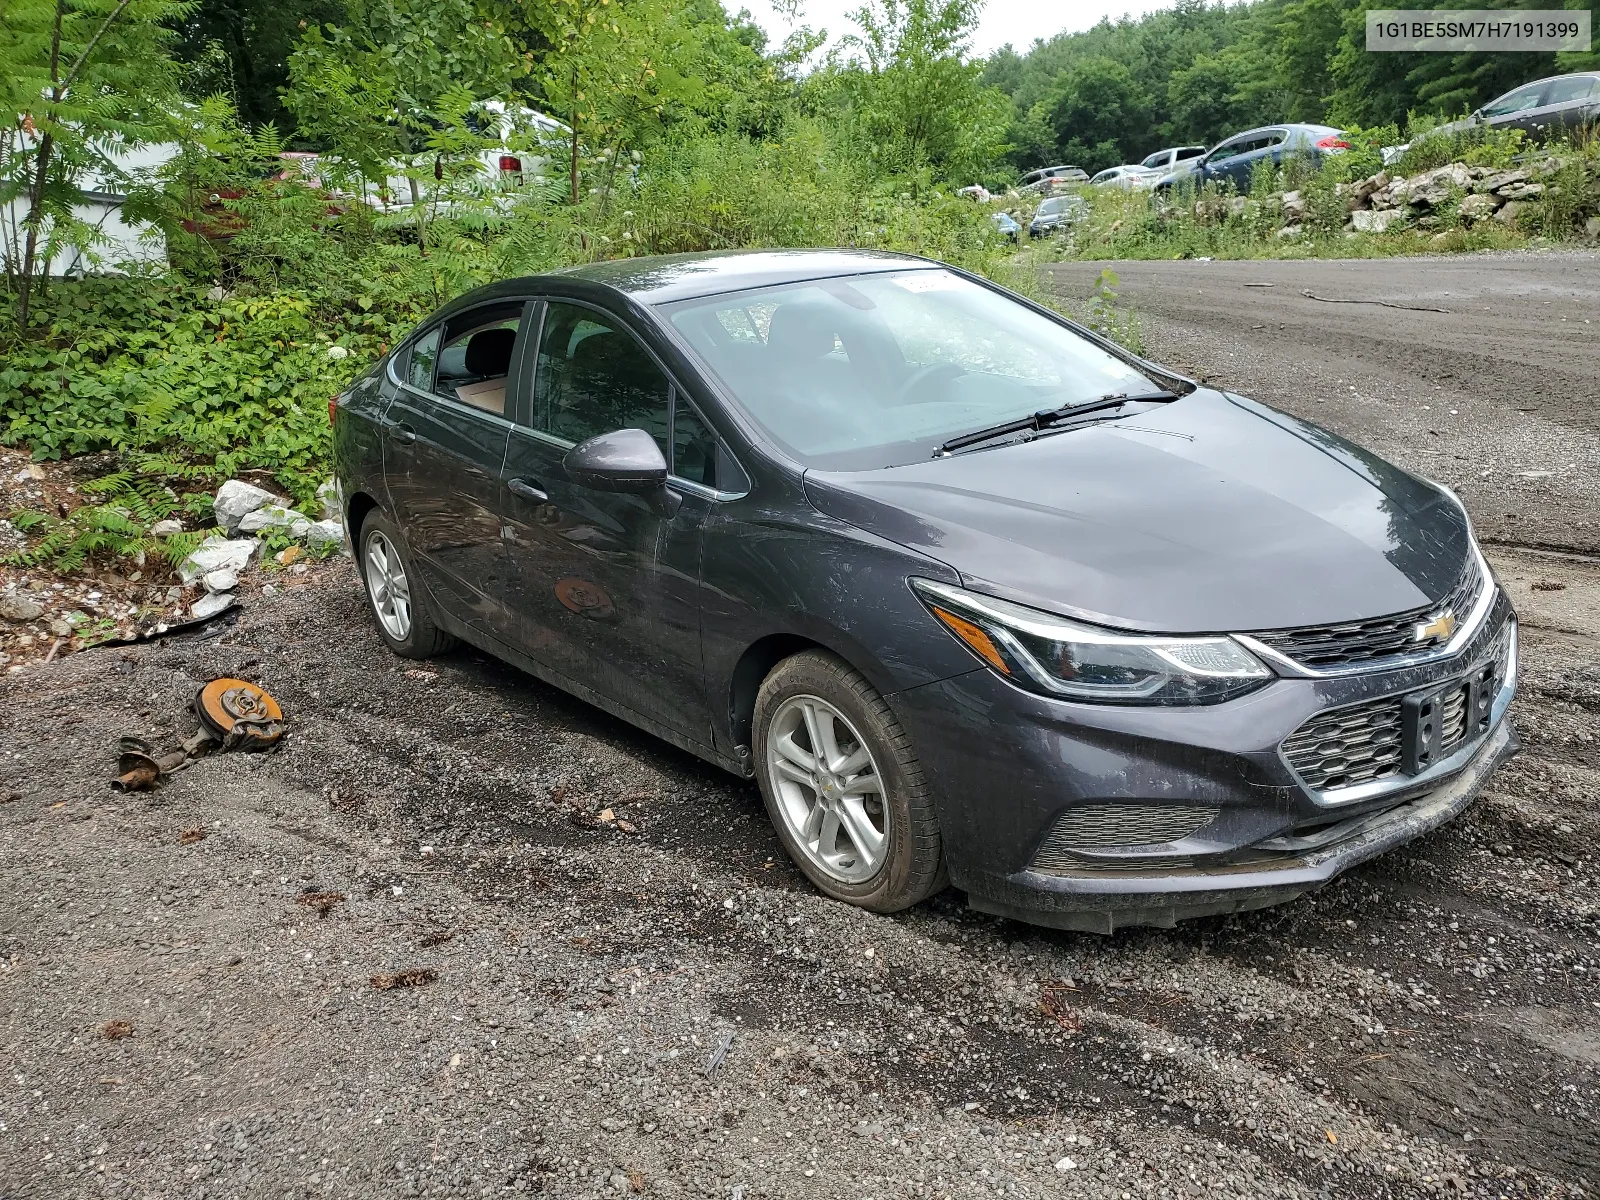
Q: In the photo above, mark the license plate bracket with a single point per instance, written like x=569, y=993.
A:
x=1432, y=727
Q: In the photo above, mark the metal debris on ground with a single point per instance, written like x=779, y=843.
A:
x=411, y=977
x=114, y=1030
x=240, y=714
x=139, y=765
x=719, y=1055
x=322, y=902
x=189, y=837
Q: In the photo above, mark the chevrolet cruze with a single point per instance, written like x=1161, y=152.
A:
x=973, y=594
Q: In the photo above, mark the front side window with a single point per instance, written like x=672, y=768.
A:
x=1158, y=159
x=1514, y=102
x=595, y=377
x=475, y=360
x=877, y=370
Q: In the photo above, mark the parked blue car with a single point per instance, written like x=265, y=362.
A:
x=1233, y=161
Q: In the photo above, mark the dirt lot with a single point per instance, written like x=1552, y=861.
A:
x=674, y=1012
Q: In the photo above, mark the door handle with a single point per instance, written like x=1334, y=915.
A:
x=528, y=491
x=403, y=434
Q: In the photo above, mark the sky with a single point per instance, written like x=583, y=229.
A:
x=1014, y=21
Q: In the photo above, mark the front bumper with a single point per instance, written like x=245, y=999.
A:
x=1012, y=769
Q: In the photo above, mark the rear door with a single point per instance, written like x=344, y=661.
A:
x=1567, y=103
x=445, y=435
x=607, y=585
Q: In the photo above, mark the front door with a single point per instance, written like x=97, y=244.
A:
x=606, y=585
x=445, y=435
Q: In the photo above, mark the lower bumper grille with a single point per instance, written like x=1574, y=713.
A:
x=1099, y=827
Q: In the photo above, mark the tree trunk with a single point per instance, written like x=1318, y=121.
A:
x=416, y=207
x=572, y=172
x=34, y=220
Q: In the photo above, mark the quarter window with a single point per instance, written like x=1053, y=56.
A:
x=424, y=352
x=595, y=377
x=694, y=447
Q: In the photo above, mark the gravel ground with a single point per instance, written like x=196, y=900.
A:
x=1494, y=395
x=189, y=979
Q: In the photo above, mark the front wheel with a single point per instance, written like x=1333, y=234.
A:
x=842, y=786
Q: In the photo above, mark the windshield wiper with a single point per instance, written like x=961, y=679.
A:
x=1046, y=417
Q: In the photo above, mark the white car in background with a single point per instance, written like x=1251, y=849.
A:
x=525, y=140
x=1127, y=177
x=1172, y=158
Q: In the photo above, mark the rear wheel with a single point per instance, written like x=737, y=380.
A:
x=842, y=786
x=399, y=605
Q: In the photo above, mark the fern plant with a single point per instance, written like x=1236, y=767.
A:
x=114, y=525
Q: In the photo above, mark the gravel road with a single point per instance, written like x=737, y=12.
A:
x=1477, y=370
x=187, y=1005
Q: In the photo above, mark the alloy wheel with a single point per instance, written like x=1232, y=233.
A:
x=828, y=788
x=390, y=589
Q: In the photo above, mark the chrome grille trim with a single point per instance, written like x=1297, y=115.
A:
x=1469, y=626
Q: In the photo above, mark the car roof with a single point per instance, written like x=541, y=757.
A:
x=664, y=278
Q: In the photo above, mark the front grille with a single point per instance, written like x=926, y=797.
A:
x=1378, y=739
x=1360, y=643
x=1115, y=826
x=1347, y=746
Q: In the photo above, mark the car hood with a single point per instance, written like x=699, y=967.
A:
x=1212, y=513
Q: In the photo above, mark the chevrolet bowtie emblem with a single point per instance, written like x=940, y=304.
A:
x=1441, y=627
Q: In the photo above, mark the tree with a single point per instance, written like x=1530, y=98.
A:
x=395, y=86
x=84, y=80
x=241, y=48
x=919, y=103
x=1099, y=113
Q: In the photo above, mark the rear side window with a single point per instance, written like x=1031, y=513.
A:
x=1565, y=91
x=424, y=352
x=475, y=360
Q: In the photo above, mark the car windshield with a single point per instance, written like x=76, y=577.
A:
x=1054, y=205
x=870, y=371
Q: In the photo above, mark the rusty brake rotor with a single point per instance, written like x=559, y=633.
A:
x=240, y=714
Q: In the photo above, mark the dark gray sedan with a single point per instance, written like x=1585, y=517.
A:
x=974, y=595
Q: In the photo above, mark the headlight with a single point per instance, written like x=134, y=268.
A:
x=1058, y=657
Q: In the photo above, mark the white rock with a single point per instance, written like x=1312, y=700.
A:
x=332, y=501
x=271, y=516
x=223, y=580
x=166, y=528
x=235, y=499
x=217, y=554
x=210, y=604
x=1374, y=220
x=1066, y=1164
x=325, y=533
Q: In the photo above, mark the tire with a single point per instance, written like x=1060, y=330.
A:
x=408, y=629
x=889, y=801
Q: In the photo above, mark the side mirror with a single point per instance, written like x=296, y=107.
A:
x=624, y=460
